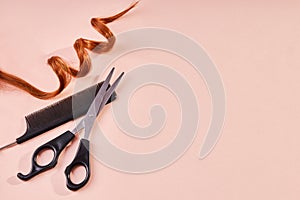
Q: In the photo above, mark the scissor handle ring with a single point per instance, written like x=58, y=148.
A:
x=38, y=151
x=56, y=145
x=81, y=159
x=76, y=186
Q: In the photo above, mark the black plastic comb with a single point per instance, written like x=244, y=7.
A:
x=59, y=113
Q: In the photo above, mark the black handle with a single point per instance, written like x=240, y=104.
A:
x=81, y=159
x=60, y=112
x=56, y=145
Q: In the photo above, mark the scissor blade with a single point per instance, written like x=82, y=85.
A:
x=99, y=106
x=99, y=97
x=109, y=92
x=92, y=111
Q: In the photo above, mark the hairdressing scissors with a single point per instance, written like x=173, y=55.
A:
x=59, y=143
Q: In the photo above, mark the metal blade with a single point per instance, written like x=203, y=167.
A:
x=100, y=95
x=109, y=92
x=92, y=111
x=99, y=106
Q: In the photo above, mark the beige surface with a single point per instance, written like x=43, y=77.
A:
x=255, y=45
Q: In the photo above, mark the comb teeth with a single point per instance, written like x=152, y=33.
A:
x=60, y=112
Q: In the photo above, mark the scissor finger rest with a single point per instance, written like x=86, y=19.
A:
x=81, y=159
x=56, y=145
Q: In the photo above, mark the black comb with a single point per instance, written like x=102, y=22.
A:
x=59, y=113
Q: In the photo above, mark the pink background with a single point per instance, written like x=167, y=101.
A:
x=255, y=45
